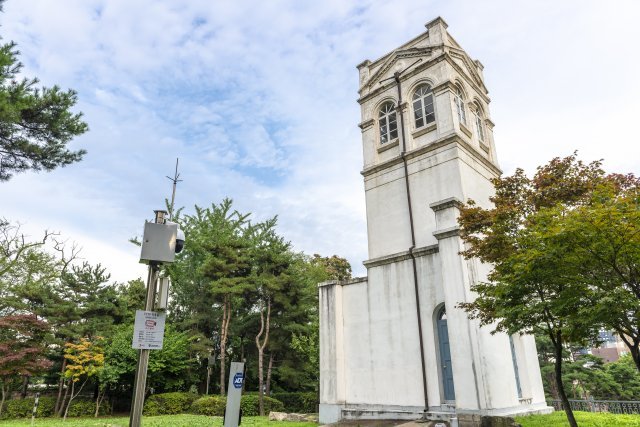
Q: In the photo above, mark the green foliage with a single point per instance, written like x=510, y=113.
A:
x=169, y=403
x=250, y=405
x=543, y=280
x=87, y=407
x=585, y=419
x=22, y=408
x=298, y=402
x=36, y=124
x=335, y=267
x=169, y=368
x=212, y=405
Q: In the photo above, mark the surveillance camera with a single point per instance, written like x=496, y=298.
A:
x=179, y=241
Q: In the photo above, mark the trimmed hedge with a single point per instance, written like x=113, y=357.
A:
x=298, y=402
x=22, y=408
x=86, y=407
x=169, y=403
x=209, y=405
x=249, y=404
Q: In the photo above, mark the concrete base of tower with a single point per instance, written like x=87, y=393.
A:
x=336, y=413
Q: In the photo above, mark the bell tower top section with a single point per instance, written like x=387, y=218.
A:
x=443, y=94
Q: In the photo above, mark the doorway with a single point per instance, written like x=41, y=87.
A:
x=445, y=356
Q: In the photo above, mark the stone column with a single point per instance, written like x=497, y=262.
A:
x=467, y=371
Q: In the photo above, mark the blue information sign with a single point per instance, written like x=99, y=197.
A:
x=237, y=380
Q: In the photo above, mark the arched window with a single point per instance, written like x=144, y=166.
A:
x=387, y=122
x=459, y=101
x=423, y=106
x=479, y=121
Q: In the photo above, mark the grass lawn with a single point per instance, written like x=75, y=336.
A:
x=584, y=419
x=160, y=421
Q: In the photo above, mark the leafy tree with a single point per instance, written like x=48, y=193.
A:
x=337, y=268
x=22, y=349
x=212, y=273
x=36, y=124
x=533, y=286
x=603, y=236
x=85, y=360
x=168, y=368
x=271, y=258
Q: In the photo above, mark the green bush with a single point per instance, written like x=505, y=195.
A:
x=169, y=403
x=22, y=408
x=87, y=407
x=209, y=405
x=250, y=405
x=299, y=402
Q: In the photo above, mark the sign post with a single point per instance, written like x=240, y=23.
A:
x=234, y=393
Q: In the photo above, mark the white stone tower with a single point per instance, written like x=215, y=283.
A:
x=388, y=338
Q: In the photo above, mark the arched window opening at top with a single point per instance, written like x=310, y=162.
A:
x=423, y=111
x=479, y=122
x=442, y=315
x=388, y=123
x=459, y=101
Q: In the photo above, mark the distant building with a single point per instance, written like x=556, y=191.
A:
x=394, y=344
x=612, y=347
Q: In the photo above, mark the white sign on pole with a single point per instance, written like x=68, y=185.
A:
x=148, y=331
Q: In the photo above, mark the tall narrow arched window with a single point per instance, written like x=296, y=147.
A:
x=459, y=101
x=387, y=122
x=423, y=111
x=479, y=116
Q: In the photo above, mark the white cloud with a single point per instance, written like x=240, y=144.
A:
x=257, y=99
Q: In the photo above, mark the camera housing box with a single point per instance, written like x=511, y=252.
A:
x=159, y=242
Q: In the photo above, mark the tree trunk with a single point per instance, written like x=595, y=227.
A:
x=99, y=399
x=66, y=411
x=62, y=403
x=633, y=344
x=60, y=387
x=224, y=331
x=269, y=370
x=73, y=384
x=557, y=342
x=25, y=386
x=4, y=394
x=264, y=328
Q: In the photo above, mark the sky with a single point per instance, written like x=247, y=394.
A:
x=258, y=101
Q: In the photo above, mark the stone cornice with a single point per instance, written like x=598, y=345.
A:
x=366, y=124
x=452, y=138
x=447, y=232
x=353, y=281
x=446, y=203
x=401, y=256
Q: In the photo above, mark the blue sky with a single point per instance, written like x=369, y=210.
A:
x=258, y=100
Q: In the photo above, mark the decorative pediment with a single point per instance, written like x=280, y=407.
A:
x=462, y=59
x=386, y=69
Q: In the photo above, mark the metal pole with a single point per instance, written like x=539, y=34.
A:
x=139, y=387
x=175, y=181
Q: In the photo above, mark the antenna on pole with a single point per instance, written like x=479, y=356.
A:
x=175, y=181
